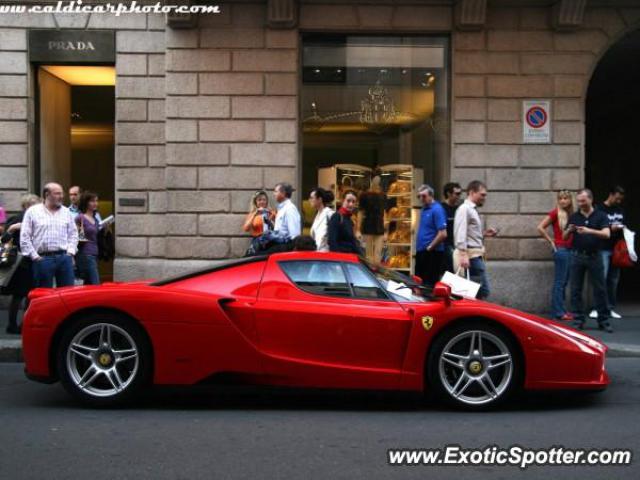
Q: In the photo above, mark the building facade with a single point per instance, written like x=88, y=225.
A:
x=211, y=108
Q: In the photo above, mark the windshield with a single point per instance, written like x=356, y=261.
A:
x=400, y=287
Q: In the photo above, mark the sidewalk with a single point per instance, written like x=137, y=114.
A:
x=624, y=342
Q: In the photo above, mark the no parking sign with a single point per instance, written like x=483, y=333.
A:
x=536, y=121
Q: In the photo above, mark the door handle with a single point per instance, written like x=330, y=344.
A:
x=226, y=301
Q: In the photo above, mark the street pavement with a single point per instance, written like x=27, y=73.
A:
x=242, y=432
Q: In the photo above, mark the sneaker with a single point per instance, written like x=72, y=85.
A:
x=615, y=315
x=606, y=327
x=593, y=314
x=567, y=317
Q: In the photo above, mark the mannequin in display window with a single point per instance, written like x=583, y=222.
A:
x=371, y=220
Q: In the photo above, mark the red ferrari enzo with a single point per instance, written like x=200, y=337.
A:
x=299, y=319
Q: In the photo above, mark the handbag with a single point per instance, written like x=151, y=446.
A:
x=106, y=245
x=620, y=257
x=8, y=254
x=7, y=271
x=464, y=287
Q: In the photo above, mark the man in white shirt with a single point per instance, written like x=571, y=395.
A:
x=469, y=236
x=288, y=223
x=49, y=237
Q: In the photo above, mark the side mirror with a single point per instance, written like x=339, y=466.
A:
x=443, y=291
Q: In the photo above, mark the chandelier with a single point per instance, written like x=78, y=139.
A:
x=378, y=107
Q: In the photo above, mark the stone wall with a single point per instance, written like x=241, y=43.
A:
x=206, y=116
x=231, y=127
x=518, y=55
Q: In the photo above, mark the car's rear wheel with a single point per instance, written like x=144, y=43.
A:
x=474, y=366
x=104, y=359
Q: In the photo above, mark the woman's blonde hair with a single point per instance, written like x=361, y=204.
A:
x=563, y=214
x=253, y=205
x=28, y=200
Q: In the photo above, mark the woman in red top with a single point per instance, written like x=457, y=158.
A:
x=558, y=218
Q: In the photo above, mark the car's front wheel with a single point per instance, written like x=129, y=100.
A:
x=474, y=366
x=104, y=359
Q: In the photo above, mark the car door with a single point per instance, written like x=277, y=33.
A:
x=307, y=313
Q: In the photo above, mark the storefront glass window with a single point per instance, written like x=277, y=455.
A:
x=375, y=119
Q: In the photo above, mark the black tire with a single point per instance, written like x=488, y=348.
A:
x=441, y=377
x=135, y=373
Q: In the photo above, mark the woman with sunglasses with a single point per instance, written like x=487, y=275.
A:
x=260, y=217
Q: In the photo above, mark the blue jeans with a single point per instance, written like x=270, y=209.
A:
x=562, y=263
x=478, y=273
x=58, y=266
x=612, y=277
x=88, y=269
x=580, y=265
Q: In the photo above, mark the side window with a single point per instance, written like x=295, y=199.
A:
x=323, y=278
x=363, y=283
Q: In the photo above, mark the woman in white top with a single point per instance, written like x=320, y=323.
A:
x=320, y=199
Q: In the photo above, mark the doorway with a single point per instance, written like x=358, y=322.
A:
x=76, y=115
x=612, y=140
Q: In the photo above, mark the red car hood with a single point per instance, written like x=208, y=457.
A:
x=564, y=330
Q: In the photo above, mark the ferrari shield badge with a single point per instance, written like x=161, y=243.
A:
x=427, y=322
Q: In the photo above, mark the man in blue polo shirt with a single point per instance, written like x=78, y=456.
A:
x=590, y=228
x=432, y=233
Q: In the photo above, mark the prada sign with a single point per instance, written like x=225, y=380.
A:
x=76, y=46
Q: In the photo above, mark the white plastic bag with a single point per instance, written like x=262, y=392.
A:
x=629, y=238
x=464, y=287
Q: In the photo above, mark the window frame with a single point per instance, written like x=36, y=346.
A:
x=311, y=292
x=352, y=294
x=387, y=297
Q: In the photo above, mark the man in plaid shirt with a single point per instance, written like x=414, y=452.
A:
x=49, y=237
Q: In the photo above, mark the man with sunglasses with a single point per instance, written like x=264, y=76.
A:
x=452, y=193
x=432, y=233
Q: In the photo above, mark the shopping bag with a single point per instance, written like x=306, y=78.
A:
x=630, y=238
x=464, y=287
x=620, y=257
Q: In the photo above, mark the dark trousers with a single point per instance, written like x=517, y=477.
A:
x=612, y=276
x=14, y=308
x=581, y=264
x=58, y=266
x=562, y=263
x=448, y=258
x=87, y=266
x=429, y=266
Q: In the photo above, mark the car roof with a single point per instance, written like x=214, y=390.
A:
x=296, y=255
x=315, y=255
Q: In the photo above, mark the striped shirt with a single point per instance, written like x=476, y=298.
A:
x=45, y=231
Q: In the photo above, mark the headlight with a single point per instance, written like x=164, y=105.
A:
x=586, y=339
